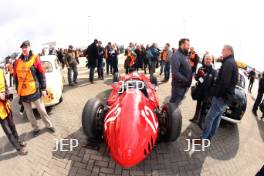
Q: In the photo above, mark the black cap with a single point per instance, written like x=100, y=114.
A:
x=25, y=43
x=70, y=47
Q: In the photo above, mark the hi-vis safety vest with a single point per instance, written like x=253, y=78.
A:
x=5, y=107
x=26, y=81
x=164, y=55
x=10, y=68
x=133, y=59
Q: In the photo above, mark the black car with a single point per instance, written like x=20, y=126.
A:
x=235, y=111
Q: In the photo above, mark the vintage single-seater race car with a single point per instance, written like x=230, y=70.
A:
x=131, y=120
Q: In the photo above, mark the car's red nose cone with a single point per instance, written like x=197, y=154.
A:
x=131, y=129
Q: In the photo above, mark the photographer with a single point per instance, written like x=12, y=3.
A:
x=202, y=92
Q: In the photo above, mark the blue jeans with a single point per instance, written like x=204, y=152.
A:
x=213, y=117
x=177, y=94
x=162, y=66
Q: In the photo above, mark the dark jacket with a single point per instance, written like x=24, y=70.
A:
x=39, y=75
x=139, y=58
x=93, y=55
x=181, y=69
x=61, y=57
x=252, y=76
x=153, y=54
x=205, y=78
x=70, y=58
x=101, y=52
x=227, y=79
x=261, y=85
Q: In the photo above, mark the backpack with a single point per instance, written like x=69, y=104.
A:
x=149, y=54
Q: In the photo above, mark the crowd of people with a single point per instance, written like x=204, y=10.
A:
x=213, y=90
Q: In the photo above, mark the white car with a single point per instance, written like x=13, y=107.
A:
x=54, y=80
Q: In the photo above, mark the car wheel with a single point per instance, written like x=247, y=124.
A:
x=116, y=77
x=92, y=119
x=154, y=80
x=35, y=113
x=61, y=99
x=48, y=109
x=172, y=122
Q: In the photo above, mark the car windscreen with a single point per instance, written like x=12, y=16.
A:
x=47, y=66
x=241, y=81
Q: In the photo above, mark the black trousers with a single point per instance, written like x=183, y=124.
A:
x=10, y=131
x=100, y=68
x=11, y=80
x=258, y=101
x=200, y=112
x=250, y=86
x=167, y=71
x=72, y=78
x=146, y=65
x=91, y=73
x=153, y=65
x=114, y=64
x=109, y=66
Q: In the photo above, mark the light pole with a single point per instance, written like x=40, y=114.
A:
x=184, y=27
x=88, y=37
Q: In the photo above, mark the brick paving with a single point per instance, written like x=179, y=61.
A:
x=236, y=149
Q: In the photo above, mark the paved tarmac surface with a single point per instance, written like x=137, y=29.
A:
x=235, y=150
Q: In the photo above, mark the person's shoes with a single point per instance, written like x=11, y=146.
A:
x=254, y=113
x=52, y=129
x=22, y=151
x=22, y=144
x=36, y=133
x=92, y=82
x=75, y=82
x=71, y=84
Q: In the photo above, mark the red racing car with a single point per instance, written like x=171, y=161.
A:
x=131, y=121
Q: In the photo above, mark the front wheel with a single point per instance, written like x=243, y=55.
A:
x=171, y=122
x=92, y=119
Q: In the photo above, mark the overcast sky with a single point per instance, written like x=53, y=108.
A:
x=208, y=23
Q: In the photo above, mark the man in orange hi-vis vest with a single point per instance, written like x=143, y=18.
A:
x=6, y=117
x=30, y=83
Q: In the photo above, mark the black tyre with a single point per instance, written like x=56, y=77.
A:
x=154, y=80
x=61, y=99
x=35, y=113
x=92, y=119
x=116, y=77
x=172, y=122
